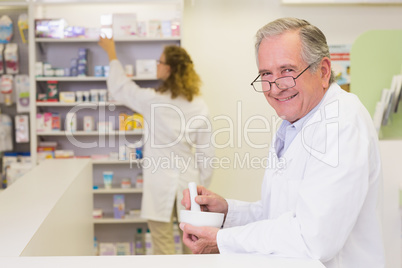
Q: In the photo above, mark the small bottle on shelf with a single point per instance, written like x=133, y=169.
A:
x=148, y=243
x=96, y=248
x=139, y=242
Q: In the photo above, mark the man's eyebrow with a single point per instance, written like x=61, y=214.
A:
x=284, y=66
x=262, y=71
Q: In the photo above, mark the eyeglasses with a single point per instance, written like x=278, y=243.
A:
x=284, y=82
x=161, y=62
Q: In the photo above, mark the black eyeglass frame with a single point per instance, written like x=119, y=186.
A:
x=161, y=62
x=274, y=82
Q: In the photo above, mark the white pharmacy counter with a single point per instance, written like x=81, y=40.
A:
x=165, y=261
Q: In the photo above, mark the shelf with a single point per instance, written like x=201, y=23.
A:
x=111, y=220
x=85, y=78
x=117, y=39
x=116, y=162
x=71, y=104
x=118, y=191
x=12, y=4
x=89, y=133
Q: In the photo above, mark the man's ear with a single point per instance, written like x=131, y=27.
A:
x=325, y=68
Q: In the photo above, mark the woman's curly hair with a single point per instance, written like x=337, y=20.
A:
x=183, y=80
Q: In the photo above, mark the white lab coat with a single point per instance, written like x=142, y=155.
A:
x=172, y=127
x=323, y=201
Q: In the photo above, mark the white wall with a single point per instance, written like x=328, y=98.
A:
x=219, y=34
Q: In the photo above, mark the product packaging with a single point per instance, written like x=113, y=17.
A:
x=139, y=242
x=102, y=94
x=6, y=127
x=22, y=93
x=98, y=70
x=41, y=97
x=85, y=96
x=39, y=69
x=155, y=28
x=142, y=28
x=47, y=122
x=52, y=91
x=7, y=86
x=139, y=181
x=6, y=29
x=106, y=22
x=56, y=122
x=107, y=179
x=67, y=97
x=1, y=59
x=47, y=69
x=138, y=153
x=166, y=28
x=82, y=66
x=59, y=72
x=138, y=121
x=129, y=123
x=107, y=249
x=175, y=28
x=122, y=153
x=23, y=26
x=21, y=129
x=40, y=123
x=129, y=70
x=122, y=121
x=97, y=213
x=124, y=248
x=74, y=67
x=94, y=95
x=145, y=68
x=124, y=25
x=89, y=123
x=149, y=250
x=79, y=97
x=106, y=70
x=125, y=183
x=70, y=122
x=50, y=28
x=11, y=58
x=118, y=206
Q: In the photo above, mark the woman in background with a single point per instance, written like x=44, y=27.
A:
x=177, y=136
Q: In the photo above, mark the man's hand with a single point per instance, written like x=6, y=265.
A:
x=200, y=240
x=208, y=201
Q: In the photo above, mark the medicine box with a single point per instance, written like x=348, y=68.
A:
x=138, y=120
x=47, y=122
x=11, y=58
x=107, y=249
x=56, y=122
x=51, y=28
x=124, y=25
x=146, y=68
x=40, y=123
x=52, y=90
x=67, y=97
x=118, y=206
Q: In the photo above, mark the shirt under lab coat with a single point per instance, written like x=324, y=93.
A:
x=322, y=199
x=177, y=135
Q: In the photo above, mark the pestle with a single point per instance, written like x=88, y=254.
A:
x=192, y=186
x=197, y=217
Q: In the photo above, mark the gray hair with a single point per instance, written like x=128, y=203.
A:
x=314, y=43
